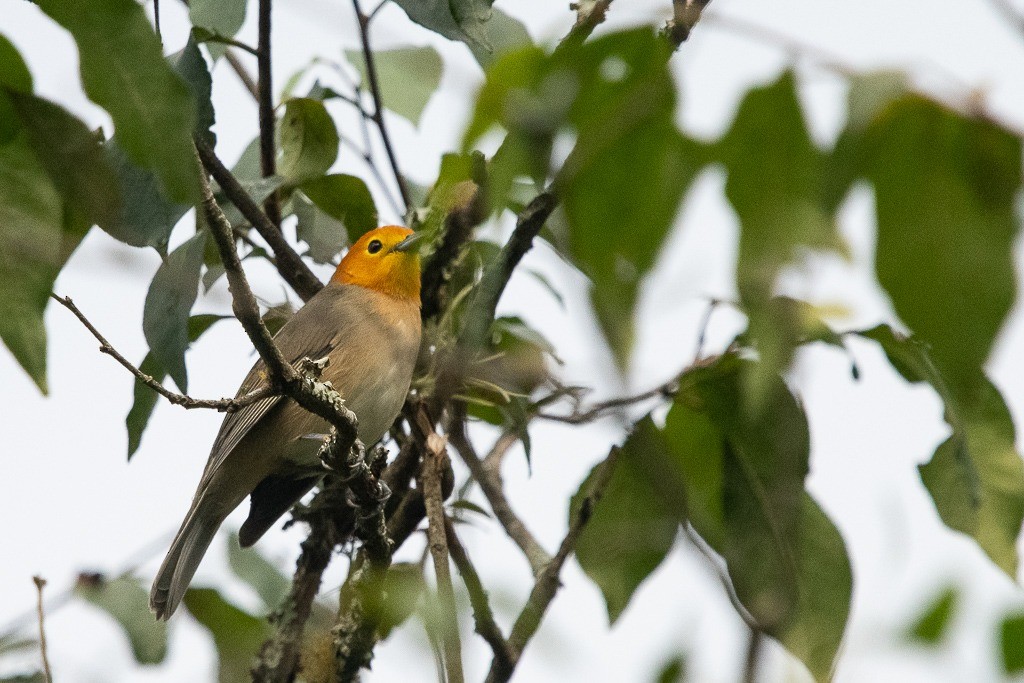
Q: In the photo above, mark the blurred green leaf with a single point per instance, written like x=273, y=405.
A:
x=220, y=17
x=37, y=236
x=931, y=625
x=344, y=198
x=123, y=70
x=738, y=474
x=191, y=66
x=72, y=156
x=127, y=601
x=976, y=476
x=470, y=506
x=506, y=33
x=673, y=671
x=169, y=300
x=264, y=578
x=1011, y=640
x=248, y=165
x=776, y=184
x=36, y=677
x=630, y=531
x=403, y=587
x=14, y=74
x=145, y=399
x=309, y=140
x=12, y=643
x=462, y=20
x=945, y=190
x=408, y=76
x=236, y=634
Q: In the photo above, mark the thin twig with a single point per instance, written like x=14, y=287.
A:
x=378, y=106
x=224, y=405
x=242, y=73
x=265, y=105
x=754, y=647
x=492, y=489
x=598, y=410
x=547, y=583
x=685, y=15
x=40, y=583
x=289, y=264
x=1013, y=15
x=494, y=459
x=433, y=466
x=156, y=21
x=244, y=47
x=483, y=617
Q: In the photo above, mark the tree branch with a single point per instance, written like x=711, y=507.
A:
x=265, y=106
x=378, y=107
x=685, y=15
x=224, y=405
x=289, y=264
x=490, y=484
x=242, y=73
x=40, y=582
x=547, y=583
x=433, y=466
x=483, y=617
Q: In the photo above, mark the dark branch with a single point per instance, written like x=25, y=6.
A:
x=433, y=467
x=224, y=405
x=378, y=106
x=265, y=105
x=40, y=582
x=483, y=617
x=289, y=264
x=547, y=583
x=685, y=15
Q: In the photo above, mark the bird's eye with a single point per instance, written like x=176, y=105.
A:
x=374, y=246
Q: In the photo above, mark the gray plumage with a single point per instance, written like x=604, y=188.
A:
x=371, y=341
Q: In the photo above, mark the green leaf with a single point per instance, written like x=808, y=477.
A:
x=506, y=33
x=123, y=70
x=932, y=624
x=171, y=295
x=1011, y=640
x=147, y=217
x=673, y=671
x=11, y=643
x=191, y=66
x=344, y=198
x=236, y=634
x=324, y=234
x=776, y=184
x=737, y=474
x=127, y=601
x=309, y=140
x=36, y=677
x=220, y=17
x=462, y=20
x=266, y=579
x=976, y=477
x=145, y=398
x=37, y=236
x=72, y=156
x=408, y=76
x=14, y=74
x=945, y=190
x=630, y=531
x=404, y=585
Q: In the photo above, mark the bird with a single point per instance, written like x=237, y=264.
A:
x=366, y=322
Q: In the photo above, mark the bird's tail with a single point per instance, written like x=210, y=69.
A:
x=183, y=558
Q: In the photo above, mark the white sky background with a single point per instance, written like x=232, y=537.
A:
x=70, y=503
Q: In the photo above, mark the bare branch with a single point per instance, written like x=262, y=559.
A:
x=589, y=15
x=483, y=617
x=490, y=484
x=599, y=410
x=378, y=107
x=265, y=106
x=242, y=73
x=40, y=583
x=289, y=264
x=1014, y=16
x=430, y=474
x=547, y=583
x=494, y=459
x=224, y=405
x=685, y=15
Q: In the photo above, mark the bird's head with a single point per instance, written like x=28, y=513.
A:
x=385, y=260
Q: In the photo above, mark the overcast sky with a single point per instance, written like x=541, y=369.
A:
x=70, y=502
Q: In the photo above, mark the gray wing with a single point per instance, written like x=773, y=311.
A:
x=309, y=333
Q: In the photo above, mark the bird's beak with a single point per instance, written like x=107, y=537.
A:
x=409, y=242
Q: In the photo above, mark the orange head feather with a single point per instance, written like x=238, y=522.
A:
x=374, y=262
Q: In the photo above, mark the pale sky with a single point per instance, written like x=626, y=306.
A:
x=71, y=503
